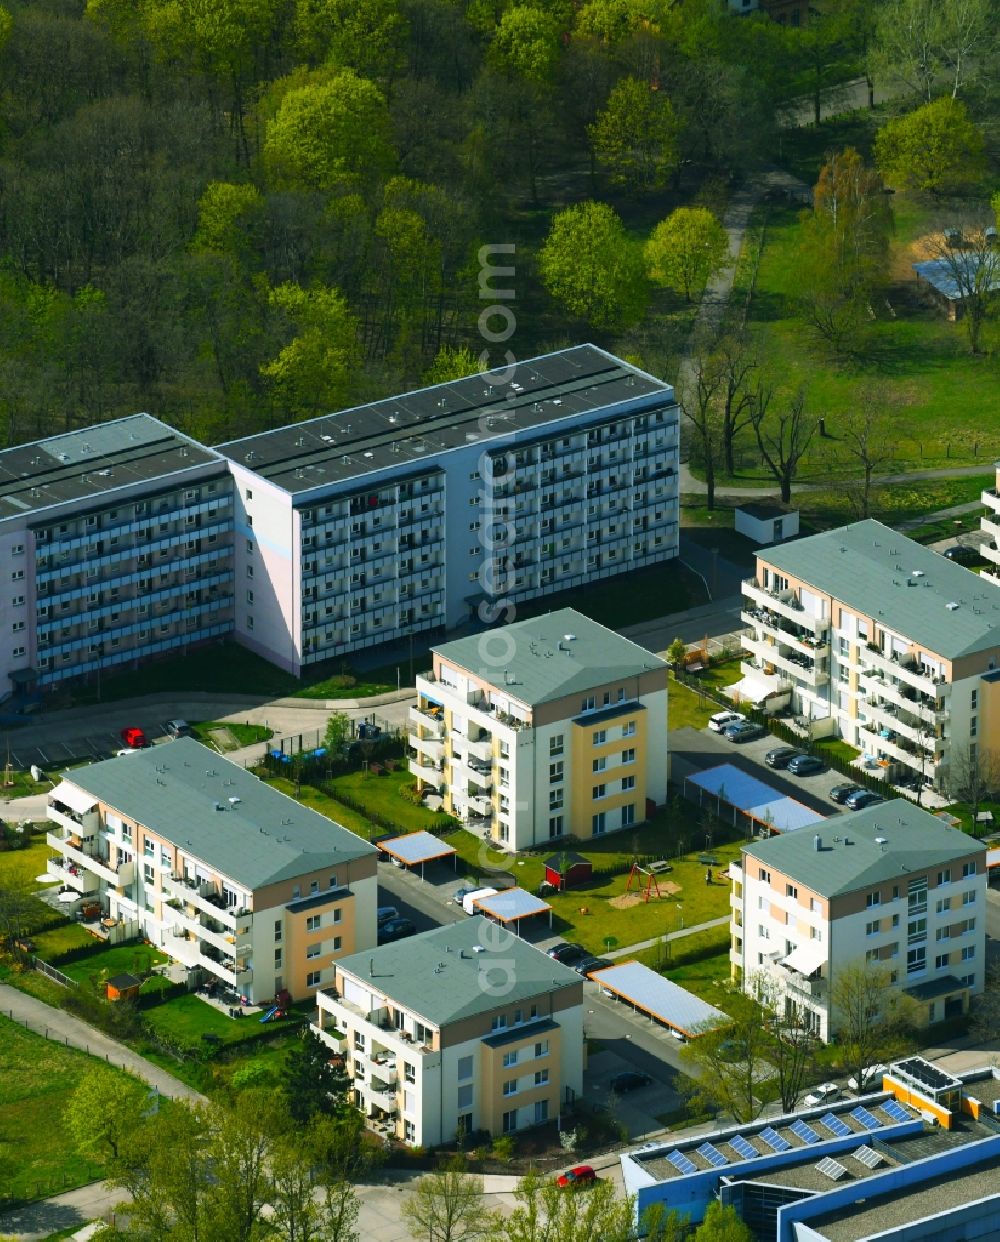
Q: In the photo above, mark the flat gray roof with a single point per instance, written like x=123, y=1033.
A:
x=460, y=970
x=417, y=847
x=415, y=426
x=900, y=584
x=865, y=848
x=550, y=657
x=220, y=813
x=668, y=1001
x=95, y=460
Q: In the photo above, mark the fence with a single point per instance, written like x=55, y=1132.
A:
x=45, y=969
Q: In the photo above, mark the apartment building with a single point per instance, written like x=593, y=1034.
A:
x=115, y=545
x=222, y=872
x=464, y=1028
x=880, y=641
x=547, y=728
x=891, y=887
x=410, y=515
x=990, y=524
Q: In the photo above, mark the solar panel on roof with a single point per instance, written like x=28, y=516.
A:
x=832, y=1169
x=863, y=1117
x=868, y=1156
x=806, y=1133
x=747, y=1150
x=895, y=1111
x=712, y=1154
x=773, y=1139
x=681, y=1163
x=927, y=1074
x=836, y=1127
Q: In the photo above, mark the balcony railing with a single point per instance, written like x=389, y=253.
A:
x=768, y=653
x=202, y=895
x=786, y=604
x=431, y=722
x=425, y=772
x=905, y=668
x=119, y=876
x=991, y=499
x=759, y=619
x=72, y=876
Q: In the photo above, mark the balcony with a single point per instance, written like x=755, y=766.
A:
x=769, y=653
x=225, y=944
x=118, y=877
x=905, y=668
x=425, y=772
x=480, y=776
x=991, y=499
x=801, y=640
x=72, y=876
x=786, y=604
x=77, y=825
x=813, y=989
x=428, y=719
x=900, y=750
x=430, y=747
x=202, y=896
x=385, y=1100
x=898, y=720
x=481, y=750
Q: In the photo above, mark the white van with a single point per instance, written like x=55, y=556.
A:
x=470, y=898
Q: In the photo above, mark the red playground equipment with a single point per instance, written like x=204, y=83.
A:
x=648, y=886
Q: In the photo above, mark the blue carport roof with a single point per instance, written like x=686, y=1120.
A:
x=755, y=798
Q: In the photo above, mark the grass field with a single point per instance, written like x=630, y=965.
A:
x=687, y=709
x=382, y=794
x=185, y=1019
x=135, y=959
x=243, y=734
x=37, y=1078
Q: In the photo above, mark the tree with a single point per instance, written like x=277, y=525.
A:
x=368, y=36
x=973, y=777
x=972, y=266
x=526, y=43
x=738, y=364
x=635, y=136
x=446, y=1206
x=698, y=388
x=722, y=1224
x=783, y=435
x=545, y=1213
x=791, y=1045
x=313, y=373
x=102, y=1112
x=676, y=653
x=17, y=904
x=229, y=219
x=869, y=435
x=311, y=1083
x=869, y=1016
x=686, y=250
x=922, y=45
x=589, y=265
x=332, y=131
x=935, y=148
x=452, y=363
x=730, y=1062
x=338, y=731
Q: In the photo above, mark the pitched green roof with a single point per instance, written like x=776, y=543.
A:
x=460, y=970
x=550, y=657
x=864, y=848
x=219, y=813
x=868, y=566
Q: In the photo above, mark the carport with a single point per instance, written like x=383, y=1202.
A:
x=665, y=1002
x=743, y=794
x=511, y=906
x=417, y=848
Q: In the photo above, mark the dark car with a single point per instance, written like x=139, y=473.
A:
x=134, y=738
x=178, y=728
x=743, y=731
x=781, y=756
x=395, y=929
x=963, y=555
x=862, y=798
x=589, y=963
x=568, y=953
x=581, y=1175
x=806, y=765
x=385, y=914
x=840, y=793
x=630, y=1080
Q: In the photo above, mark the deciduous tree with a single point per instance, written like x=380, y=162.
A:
x=312, y=374
x=936, y=147
x=686, y=250
x=526, y=44
x=722, y=1224
x=102, y=1112
x=784, y=429
x=452, y=363
x=730, y=1062
x=590, y=265
x=870, y=1017
x=447, y=1206
x=868, y=434
x=922, y=45
x=635, y=136
x=972, y=266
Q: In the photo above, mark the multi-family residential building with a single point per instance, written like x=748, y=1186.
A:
x=463, y=1029
x=546, y=728
x=410, y=514
x=890, y=887
x=221, y=871
x=880, y=641
x=115, y=544
x=990, y=524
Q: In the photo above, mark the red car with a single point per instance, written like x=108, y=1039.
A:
x=581, y=1175
x=134, y=738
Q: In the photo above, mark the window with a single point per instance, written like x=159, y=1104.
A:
x=916, y=960
x=599, y=791
x=17, y=575
x=510, y=1087
x=249, y=597
x=410, y=1072
x=941, y=906
x=600, y=737
x=277, y=959
x=313, y=922
x=791, y=890
x=628, y=782
x=337, y=942
x=968, y=898
x=871, y=955
x=873, y=899
x=542, y=1048
x=18, y=600
x=916, y=929
x=628, y=814
x=597, y=823
x=941, y=961
x=968, y=953
x=599, y=764
x=509, y=1059
x=313, y=978
x=313, y=950
x=541, y=1077
x=509, y=1124
x=556, y=799
x=944, y=877
x=628, y=756
x=555, y=772
x=872, y=929
x=628, y=729
x=465, y=1065
x=541, y=1111
x=19, y=651
x=277, y=931
x=556, y=744
x=765, y=876
x=968, y=869
x=589, y=704
x=499, y=1022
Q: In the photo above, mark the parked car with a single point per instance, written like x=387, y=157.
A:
x=840, y=793
x=463, y=892
x=743, y=731
x=385, y=913
x=806, y=765
x=589, y=963
x=134, y=738
x=629, y=1080
x=823, y=1094
x=961, y=554
x=568, y=953
x=580, y=1175
x=871, y=1078
x=862, y=798
x=395, y=929
x=473, y=895
x=178, y=728
x=781, y=756
x=719, y=721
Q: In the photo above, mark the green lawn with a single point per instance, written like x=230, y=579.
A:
x=185, y=1019
x=382, y=795
x=836, y=748
x=717, y=676
x=51, y=944
x=37, y=1078
x=640, y=596
x=688, y=709
x=243, y=734
x=135, y=959
x=707, y=978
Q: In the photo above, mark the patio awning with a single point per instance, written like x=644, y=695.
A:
x=806, y=958
x=73, y=797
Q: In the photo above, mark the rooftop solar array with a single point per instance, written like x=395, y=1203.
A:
x=868, y=1156
x=805, y=1132
x=740, y=1145
x=837, y=1128
x=832, y=1169
x=774, y=1140
x=927, y=1074
x=864, y=1118
x=681, y=1163
x=712, y=1154
x=895, y=1111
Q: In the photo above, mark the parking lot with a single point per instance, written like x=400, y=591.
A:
x=100, y=744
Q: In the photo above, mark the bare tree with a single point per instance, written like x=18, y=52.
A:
x=973, y=776
x=782, y=436
x=731, y=1062
x=792, y=1048
x=869, y=1016
x=17, y=904
x=699, y=393
x=447, y=1206
x=738, y=363
x=869, y=436
x=971, y=265
x=985, y=1009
